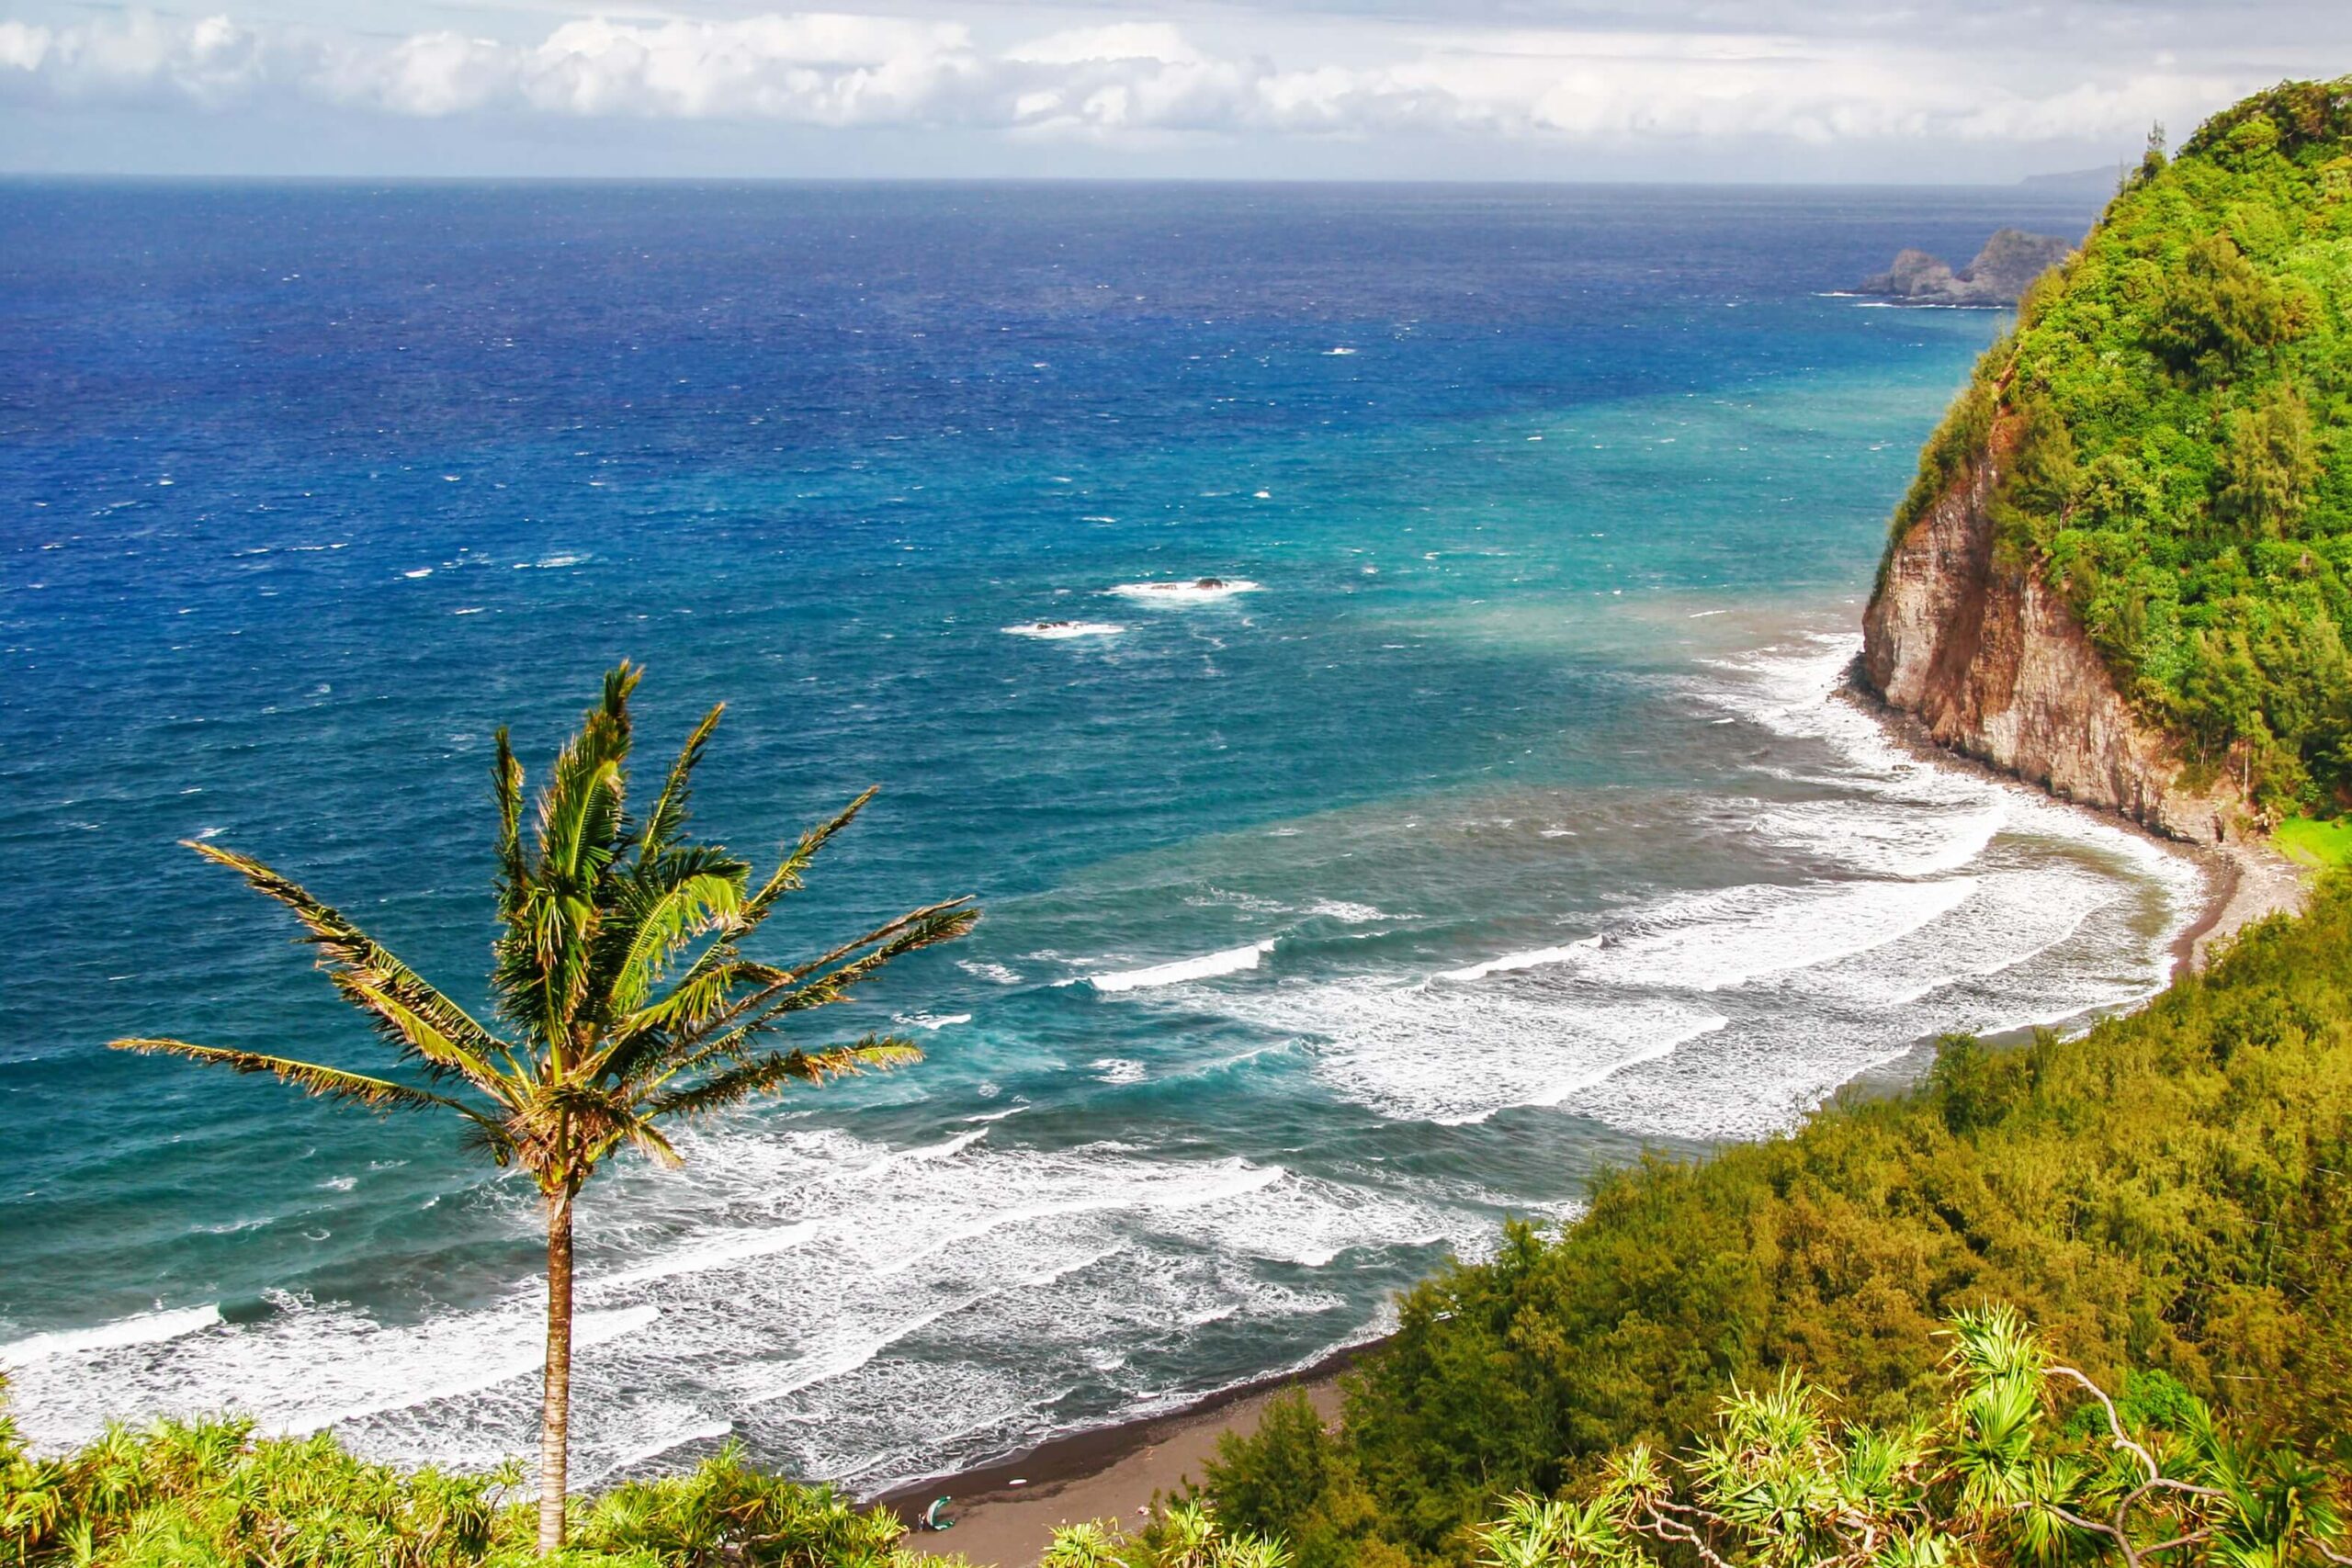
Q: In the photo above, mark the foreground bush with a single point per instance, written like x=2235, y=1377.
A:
x=2170, y=1193
x=1183, y=1535
x=2028, y=1461
x=204, y=1493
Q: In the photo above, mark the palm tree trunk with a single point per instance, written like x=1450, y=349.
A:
x=555, y=1397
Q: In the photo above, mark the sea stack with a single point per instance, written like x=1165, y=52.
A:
x=2000, y=274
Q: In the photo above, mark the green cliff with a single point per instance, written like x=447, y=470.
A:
x=2157, y=460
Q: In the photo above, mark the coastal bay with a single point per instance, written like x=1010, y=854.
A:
x=1507, y=826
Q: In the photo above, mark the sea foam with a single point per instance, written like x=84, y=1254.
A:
x=1232, y=961
x=1057, y=631
x=146, y=1328
x=1200, y=590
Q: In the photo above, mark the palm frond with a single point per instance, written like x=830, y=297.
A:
x=417, y=1037
x=356, y=959
x=660, y=921
x=786, y=875
x=759, y=1074
x=581, y=807
x=715, y=979
x=506, y=787
x=377, y=1094
x=795, y=990
x=923, y=928
x=543, y=970
x=667, y=817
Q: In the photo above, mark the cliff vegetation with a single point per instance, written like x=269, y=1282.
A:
x=2175, y=411
x=2167, y=1195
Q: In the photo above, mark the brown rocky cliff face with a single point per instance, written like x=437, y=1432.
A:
x=1996, y=667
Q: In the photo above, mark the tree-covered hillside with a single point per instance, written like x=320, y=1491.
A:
x=2175, y=409
x=2171, y=1192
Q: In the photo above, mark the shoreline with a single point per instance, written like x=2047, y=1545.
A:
x=2245, y=880
x=1005, y=1513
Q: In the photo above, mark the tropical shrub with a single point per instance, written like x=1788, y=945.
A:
x=1184, y=1534
x=212, y=1494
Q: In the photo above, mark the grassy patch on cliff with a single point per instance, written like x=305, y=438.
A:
x=2313, y=842
x=2172, y=1190
x=2181, y=396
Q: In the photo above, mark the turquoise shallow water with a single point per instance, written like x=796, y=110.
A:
x=1495, y=821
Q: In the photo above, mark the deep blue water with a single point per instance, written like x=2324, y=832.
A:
x=1555, y=507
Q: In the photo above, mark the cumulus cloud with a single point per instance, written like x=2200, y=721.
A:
x=1137, y=77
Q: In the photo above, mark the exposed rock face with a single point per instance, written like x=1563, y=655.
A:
x=1996, y=667
x=2010, y=261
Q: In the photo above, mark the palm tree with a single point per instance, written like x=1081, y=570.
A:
x=620, y=976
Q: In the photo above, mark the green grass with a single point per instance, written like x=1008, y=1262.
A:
x=2309, y=842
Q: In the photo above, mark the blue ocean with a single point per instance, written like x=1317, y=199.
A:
x=1373, y=653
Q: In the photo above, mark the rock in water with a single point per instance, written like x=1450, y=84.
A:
x=2010, y=261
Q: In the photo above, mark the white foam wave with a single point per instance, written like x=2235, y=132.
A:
x=1232, y=961
x=1713, y=941
x=1896, y=841
x=417, y=1352
x=1201, y=591
x=1532, y=958
x=1351, y=914
x=1454, y=1055
x=146, y=1328
x=699, y=1432
x=1795, y=690
x=715, y=1254
x=1055, y=631
x=841, y=1304
x=1745, y=933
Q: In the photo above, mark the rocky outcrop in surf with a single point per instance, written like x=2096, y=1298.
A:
x=2002, y=271
x=1972, y=642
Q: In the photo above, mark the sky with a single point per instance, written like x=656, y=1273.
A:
x=1880, y=91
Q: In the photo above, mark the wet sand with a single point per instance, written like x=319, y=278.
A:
x=1005, y=1514
x=2248, y=882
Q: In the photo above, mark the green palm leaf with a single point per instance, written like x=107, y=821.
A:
x=376, y=1094
x=760, y=1074
x=370, y=974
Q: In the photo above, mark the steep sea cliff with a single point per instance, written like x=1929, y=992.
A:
x=2126, y=569
x=1971, y=640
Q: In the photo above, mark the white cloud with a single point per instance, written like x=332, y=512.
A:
x=1136, y=78
x=22, y=47
x=1159, y=42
